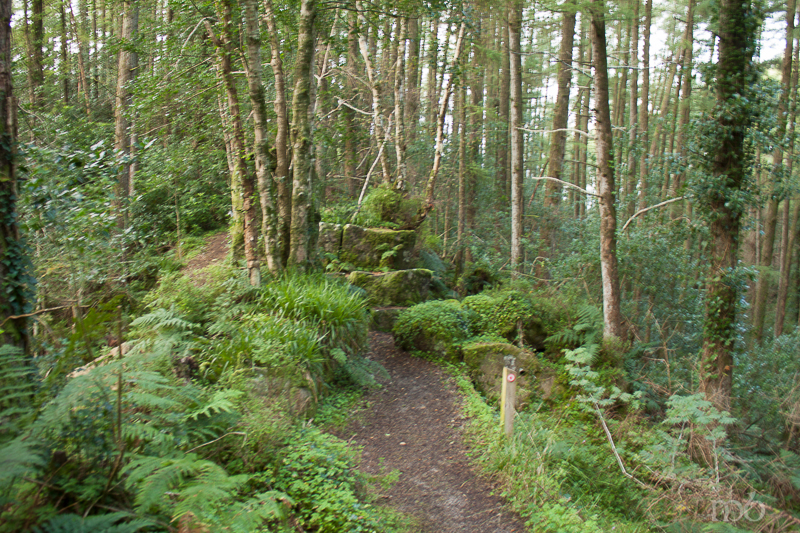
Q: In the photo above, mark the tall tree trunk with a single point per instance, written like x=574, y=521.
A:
x=430, y=186
x=763, y=284
x=283, y=181
x=12, y=271
x=502, y=176
x=517, y=147
x=64, y=69
x=612, y=315
x=787, y=247
x=243, y=226
x=475, y=127
x=558, y=139
x=686, y=103
x=460, y=126
x=378, y=118
x=633, y=118
x=433, y=52
x=644, y=113
x=399, y=130
x=299, y=253
x=36, y=56
x=81, y=66
x=348, y=115
x=126, y=63
x=719, y=331
x=411, y=116
x=266, y=186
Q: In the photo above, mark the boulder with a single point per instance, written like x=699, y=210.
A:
x=486, y=360
x=383, y=318
x=401, y=288
x=374, y=248
x=330, y=238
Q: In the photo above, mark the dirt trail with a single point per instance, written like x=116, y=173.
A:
x=413, y=425
x=215, y=251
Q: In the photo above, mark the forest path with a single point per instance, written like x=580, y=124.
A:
x=413, y=425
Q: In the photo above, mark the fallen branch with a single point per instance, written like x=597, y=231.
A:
x=614, y=448
x=568, y=184
x=40, y=311
x=646, y=209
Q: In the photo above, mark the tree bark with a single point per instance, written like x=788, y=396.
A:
x=644, y=113
x=686, y=104
x=266, y=186
x=502, y=176
x=348, y=115
x=517, y=147
x=299, y=253
x=283, y=182
x=612, y=316
x=126, y=64
x=558, y=139
x=242, y=182
x=411, y=113
x=399, y=130
x=64, y=69
x=719, y=332
x=633, y=119
x=13, y=300
x=763, y=284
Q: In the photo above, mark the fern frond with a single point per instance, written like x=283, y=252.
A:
x=17, y=386
x=106, y=523
x=221, y=402
x=164, y=320
x=19, y=458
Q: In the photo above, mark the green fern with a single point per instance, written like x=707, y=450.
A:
x=106, y=523
x=586, y=330
x=17, y=386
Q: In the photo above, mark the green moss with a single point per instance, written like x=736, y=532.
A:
x=435, y=327
x=502, y=313
x=376, y=248
x=400, y=288
x=386, y=207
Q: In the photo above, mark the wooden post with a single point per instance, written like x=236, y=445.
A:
x=507, y=398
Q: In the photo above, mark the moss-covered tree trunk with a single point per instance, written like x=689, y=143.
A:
x=515, y=121
x=724, y=213
x=266, y=186
x=283, y=182
x=13, y=271
x=299, y=253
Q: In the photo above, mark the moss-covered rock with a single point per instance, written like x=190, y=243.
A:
x=374, y=248
x=436, y=327
x=383, y=318
x=485, y=361
x=511, y=314
x=401, y=288
x=330, y=238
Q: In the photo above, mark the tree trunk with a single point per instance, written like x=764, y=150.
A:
x=64, y=69
x=633, y=119
x=719, y=331
x=644, y=113
x=348, y=115
x=411, y=116
x=686, y=103
x=299, y=253
x=126, y=63
x=399, y=131
x=13, y=299
x=517, y=148
x=558, y=139
x=460, y=125
x=266, y=186
x=433, y=52
x=378, y=119
x=502, y=176
x=763, y=284
x=789, y=246
x=36, y=57
x=475, y=129
x=242, y=182
x=612, y=316
x=283, y=182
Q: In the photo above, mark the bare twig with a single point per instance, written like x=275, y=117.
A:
x=640, y=211
x=40, y=311
x=568, y=184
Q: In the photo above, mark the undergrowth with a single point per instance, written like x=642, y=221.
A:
x=200, y=426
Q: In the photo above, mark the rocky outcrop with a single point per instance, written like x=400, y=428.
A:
x=375, y=248
x=401, y=288
x=485, y=361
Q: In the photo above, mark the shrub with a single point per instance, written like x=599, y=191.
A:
x=388, y=208
x=433, y=327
